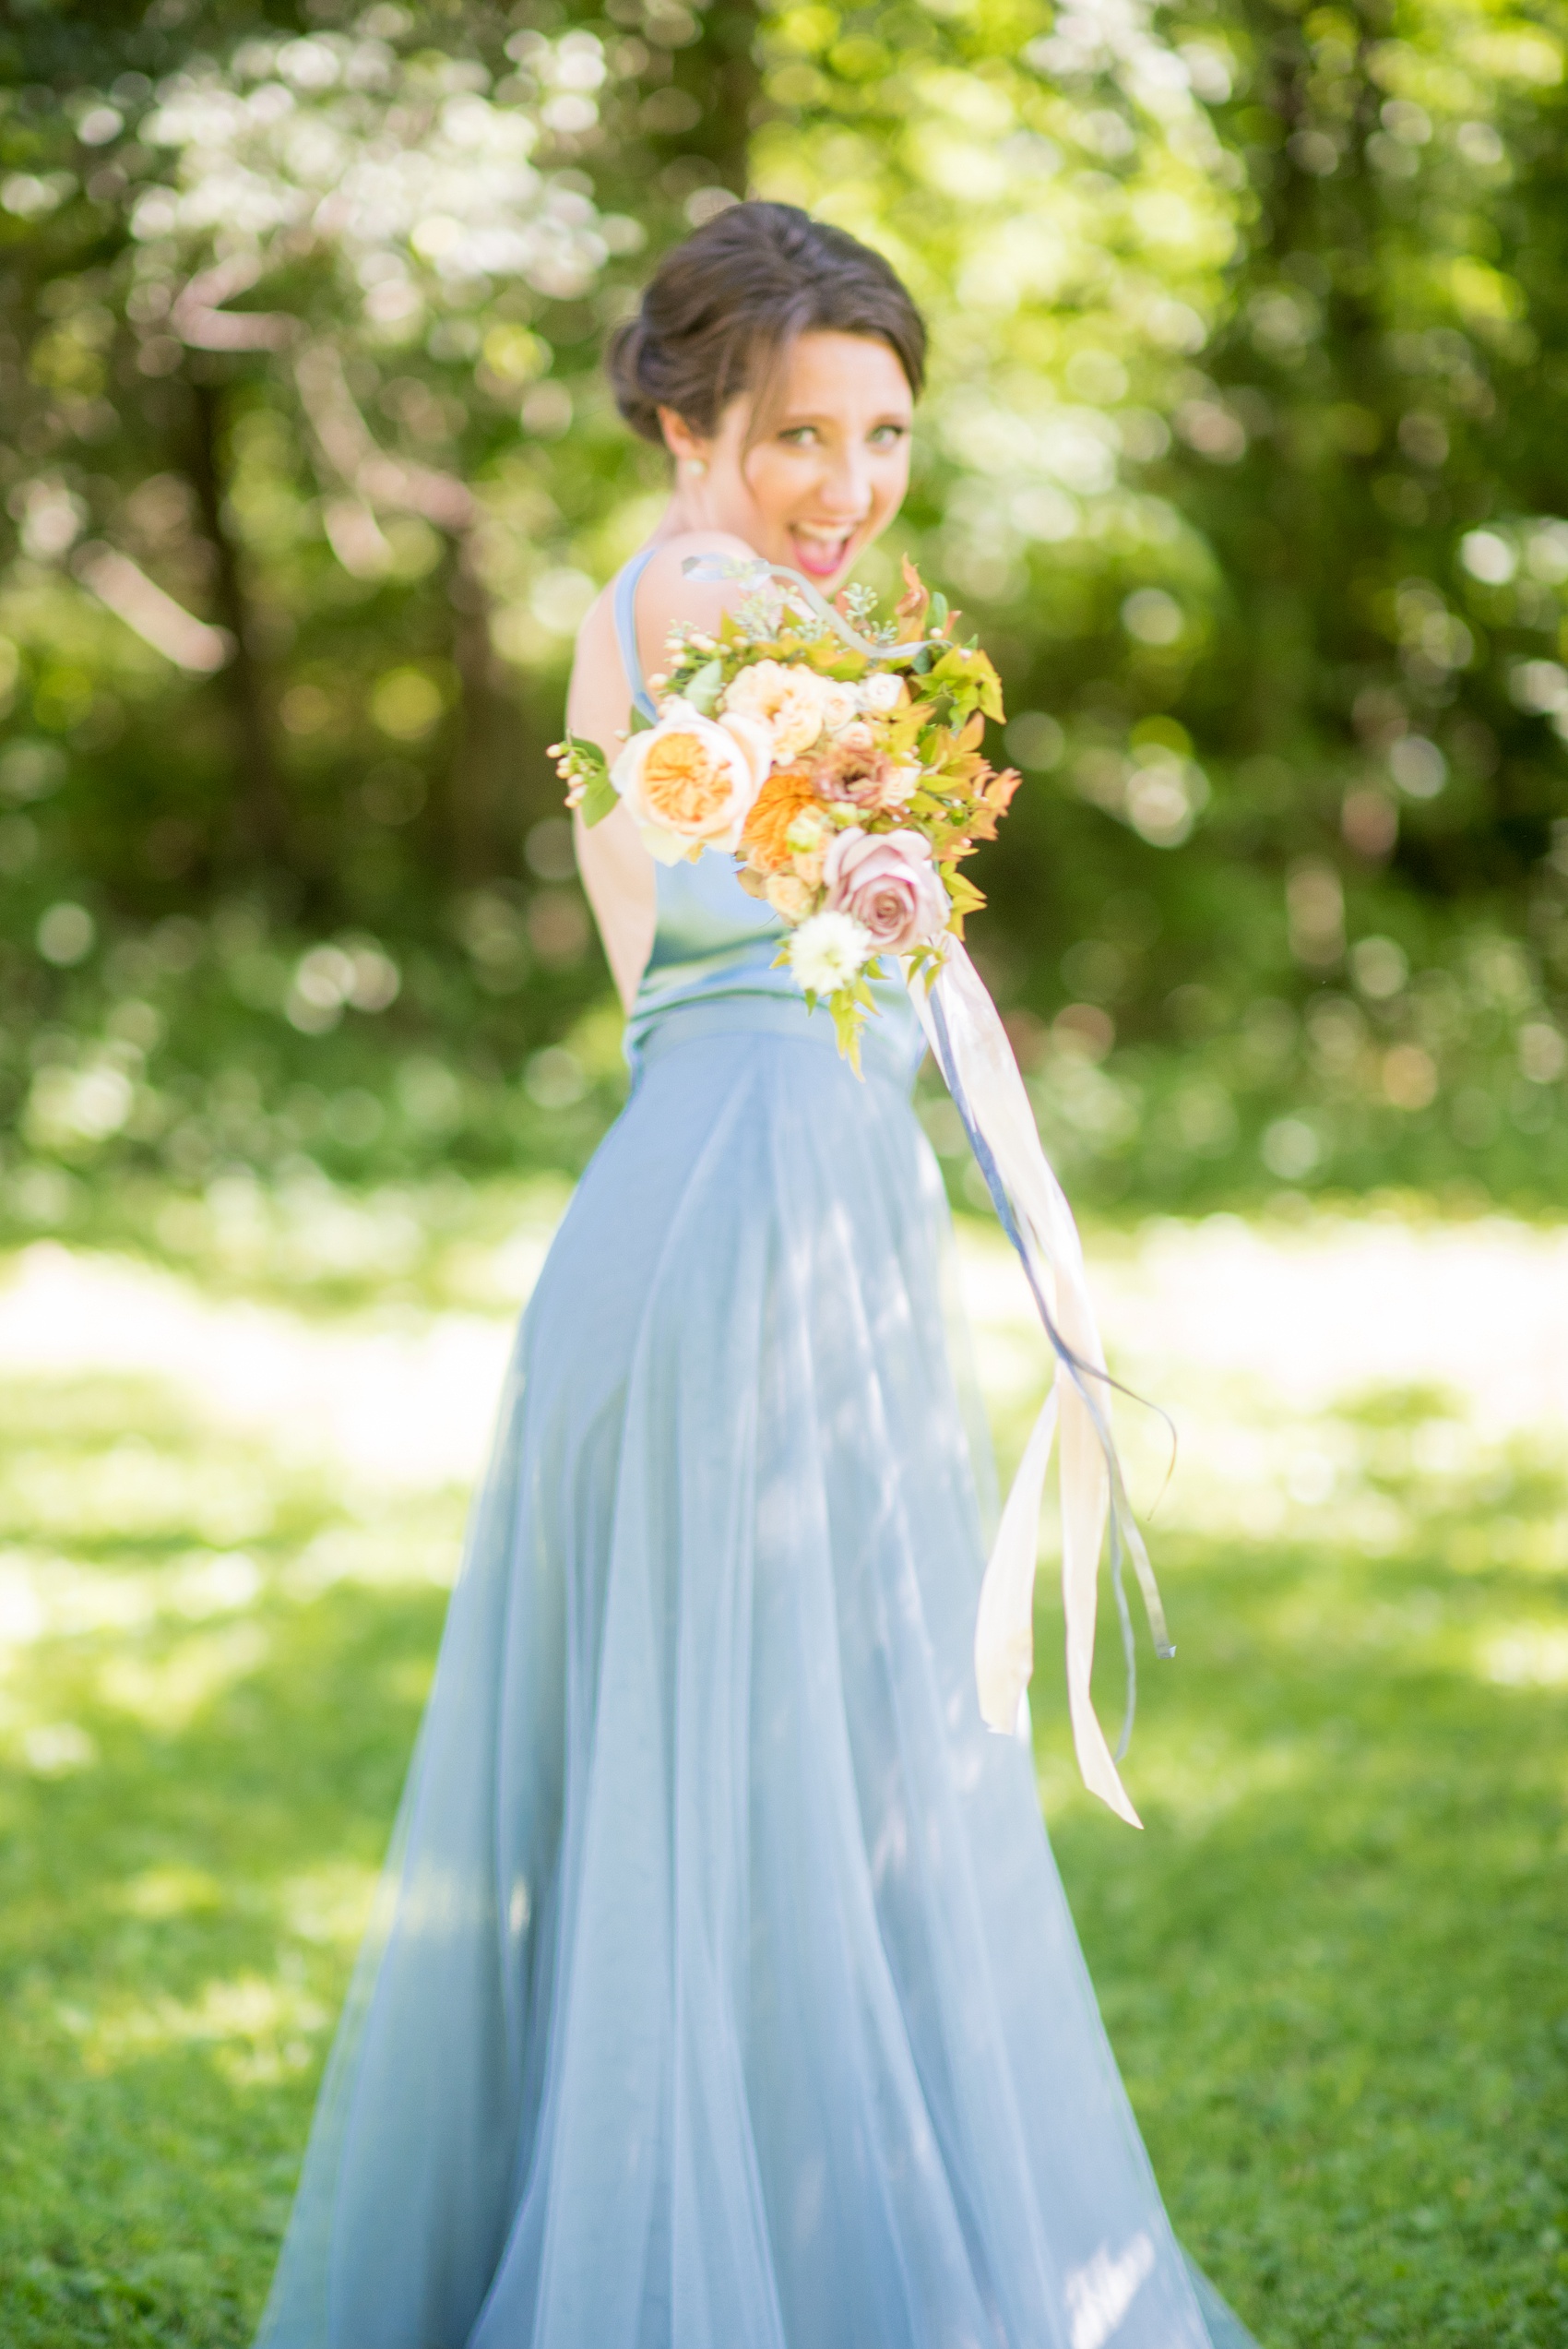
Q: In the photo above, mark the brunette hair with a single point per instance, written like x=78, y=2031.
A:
x=720, y=313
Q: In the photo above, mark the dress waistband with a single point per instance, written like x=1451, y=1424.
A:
x=888, y=1048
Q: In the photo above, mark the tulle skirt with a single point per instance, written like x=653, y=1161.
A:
x=722, y=1994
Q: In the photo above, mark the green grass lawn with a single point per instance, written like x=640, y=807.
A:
x=1334, y=1967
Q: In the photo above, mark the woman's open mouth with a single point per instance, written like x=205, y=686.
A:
x=819, y=553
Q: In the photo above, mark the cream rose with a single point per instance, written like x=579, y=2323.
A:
x=787, y=699
x=887, y=882
x=881, y=694
x=840, y=705
x=689, y=782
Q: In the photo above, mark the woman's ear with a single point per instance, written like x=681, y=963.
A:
x=685, y=446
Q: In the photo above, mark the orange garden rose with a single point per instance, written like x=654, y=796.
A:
x=683, y=785
x=764, y=843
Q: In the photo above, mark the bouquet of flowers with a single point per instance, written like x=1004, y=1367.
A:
x=840, y=766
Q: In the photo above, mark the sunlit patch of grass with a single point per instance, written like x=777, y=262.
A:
x=439, y=1241
x=1332, y=1967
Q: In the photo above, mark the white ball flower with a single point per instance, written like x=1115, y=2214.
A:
x=828, y=951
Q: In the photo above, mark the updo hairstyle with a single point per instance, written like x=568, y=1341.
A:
x=720, y=313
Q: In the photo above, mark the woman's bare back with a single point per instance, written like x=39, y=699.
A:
x=617, y=871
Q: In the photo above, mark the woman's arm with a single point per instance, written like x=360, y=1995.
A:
x=617, y=871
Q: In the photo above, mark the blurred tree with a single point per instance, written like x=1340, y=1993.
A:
x=1242, y=446
x=1248, y=323
x=308, y=475
x=1390, y=350
x=264, y=257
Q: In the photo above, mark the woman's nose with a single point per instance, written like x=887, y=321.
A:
x=846, y=486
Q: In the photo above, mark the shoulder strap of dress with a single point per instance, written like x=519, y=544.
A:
x=626, y=629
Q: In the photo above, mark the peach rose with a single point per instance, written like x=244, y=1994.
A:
x=887, y=882
x=690, y=782
x=789, y=896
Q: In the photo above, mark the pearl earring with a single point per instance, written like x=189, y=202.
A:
x=697, y=466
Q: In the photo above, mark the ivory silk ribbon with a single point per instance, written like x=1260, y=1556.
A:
x=966, y=1034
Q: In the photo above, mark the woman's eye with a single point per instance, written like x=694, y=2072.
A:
x=887, y=435
x=799, y=435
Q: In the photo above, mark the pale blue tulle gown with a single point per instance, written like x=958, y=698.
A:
x=722, y=1993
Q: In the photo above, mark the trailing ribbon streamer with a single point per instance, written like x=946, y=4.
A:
x=964, y=1031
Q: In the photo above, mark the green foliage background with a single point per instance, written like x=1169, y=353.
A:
x=1242, y=452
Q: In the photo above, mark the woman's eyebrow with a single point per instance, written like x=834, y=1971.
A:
x=792, y=418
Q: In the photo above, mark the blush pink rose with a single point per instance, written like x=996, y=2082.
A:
x=888, y=883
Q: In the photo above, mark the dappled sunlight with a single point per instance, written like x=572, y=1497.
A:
x=1343, y=1305
x=43, y=1597
x=311, y=1237
x=173, y=1891
x=330, y=1905
x=256, y=2029
x=52, y=1748
x=405, y=1402
x=166, y=1694
x=1529, y=1656
x=1359, y=1383
x=1195, y=1781
x=410, y=1548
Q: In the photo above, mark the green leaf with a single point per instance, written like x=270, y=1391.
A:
x=848, y=1018
x=641, y=723
x=598, y=799
x=705, y=687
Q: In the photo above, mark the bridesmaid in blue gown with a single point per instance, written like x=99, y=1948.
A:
x=721, y=1993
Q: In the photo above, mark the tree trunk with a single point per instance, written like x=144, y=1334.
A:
x=729, y=50
x=481, y=844
x=719, y=72
x=258, y=830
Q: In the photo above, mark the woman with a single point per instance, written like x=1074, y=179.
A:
x=723, y=1995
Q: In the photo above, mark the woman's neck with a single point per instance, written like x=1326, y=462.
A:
x=693, y=507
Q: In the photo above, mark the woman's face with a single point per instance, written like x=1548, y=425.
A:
x=829, y=473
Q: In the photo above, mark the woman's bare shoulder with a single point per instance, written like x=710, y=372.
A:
x=667, y=597
x=672, y=553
